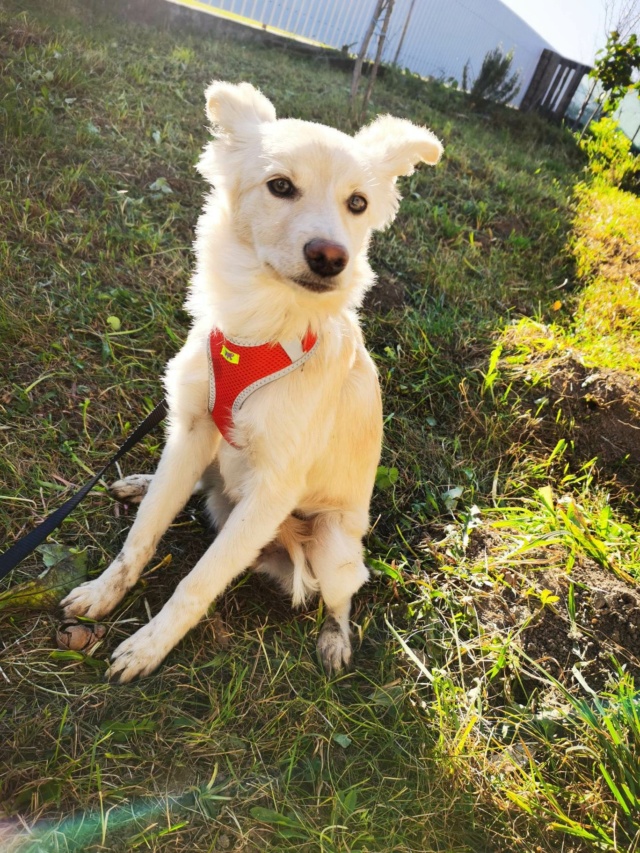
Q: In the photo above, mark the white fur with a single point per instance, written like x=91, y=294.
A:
x=307, y=444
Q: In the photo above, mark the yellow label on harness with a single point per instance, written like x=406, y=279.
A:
x=232, y=357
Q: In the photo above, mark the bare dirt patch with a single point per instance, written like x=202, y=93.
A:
x=592, y=621
x=602, y=408
x=596, y=410
x=387, y=294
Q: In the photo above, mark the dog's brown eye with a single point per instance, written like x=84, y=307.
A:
x=357, y=203
x=281, y=187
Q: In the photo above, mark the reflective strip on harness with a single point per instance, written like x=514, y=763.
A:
x=237, y=370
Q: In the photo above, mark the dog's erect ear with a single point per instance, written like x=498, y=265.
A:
x=395, y=146
x=237, y=108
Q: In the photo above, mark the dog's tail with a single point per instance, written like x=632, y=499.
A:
x=293, y=534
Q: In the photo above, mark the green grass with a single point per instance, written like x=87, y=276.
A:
x=606, y=247
x=492, y=706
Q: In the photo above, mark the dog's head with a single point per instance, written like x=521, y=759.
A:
x=305, y=197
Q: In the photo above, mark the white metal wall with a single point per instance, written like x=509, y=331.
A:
x=442, y=34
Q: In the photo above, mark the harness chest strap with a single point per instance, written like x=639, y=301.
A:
x=237, y=369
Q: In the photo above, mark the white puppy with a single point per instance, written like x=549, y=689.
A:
x=288, y=458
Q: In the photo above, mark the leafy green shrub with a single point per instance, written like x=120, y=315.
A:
x=609, y=153
x=493, y=83
x=615, y=69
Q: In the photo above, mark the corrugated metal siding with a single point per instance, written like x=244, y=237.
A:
x=442, y=34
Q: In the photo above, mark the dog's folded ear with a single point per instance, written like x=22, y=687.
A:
x=395, y=146
x=234, y=109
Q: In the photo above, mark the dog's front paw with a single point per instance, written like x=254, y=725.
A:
x=130, y=489
x=93, y=599
x=334, y=647
x=139, y=655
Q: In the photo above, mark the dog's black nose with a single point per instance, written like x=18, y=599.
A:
x=326, y=258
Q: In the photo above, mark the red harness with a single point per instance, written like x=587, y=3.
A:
x=237, y=369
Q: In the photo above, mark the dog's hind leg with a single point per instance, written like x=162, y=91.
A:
x=219, y=505
x=132, y=488
x=275, y=562
x=335, y=556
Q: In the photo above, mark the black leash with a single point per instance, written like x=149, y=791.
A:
x=23, y=547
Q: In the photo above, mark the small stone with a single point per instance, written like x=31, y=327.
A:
x=79, y=637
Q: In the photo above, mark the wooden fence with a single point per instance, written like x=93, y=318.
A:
x=553, y=85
